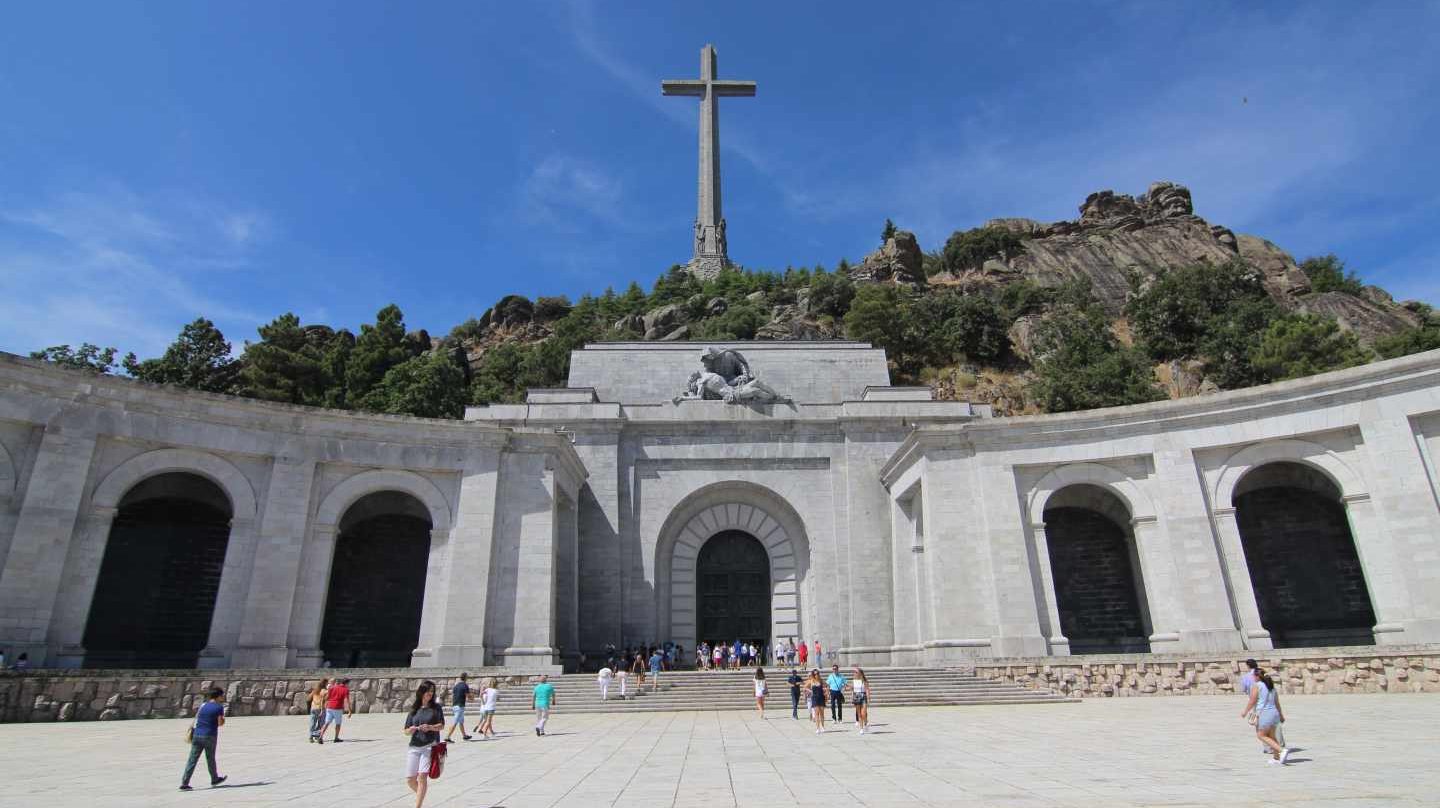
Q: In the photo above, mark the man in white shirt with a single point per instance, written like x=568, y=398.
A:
x=605, y=676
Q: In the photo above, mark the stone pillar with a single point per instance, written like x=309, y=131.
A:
x=30, y=581
x=275, y=564
x=1059, y=643
x=567, y=575
x=435, y=600
x=82, y=574
x=452, y=624
x=1242, y=590
x=1401, y=484
x=1157, y=578
x=307, y=614
x=230, y=599
x=601, y=560
x=521, y=614
x=1384, y=577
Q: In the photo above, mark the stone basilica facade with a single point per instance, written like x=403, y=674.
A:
x=780, y=489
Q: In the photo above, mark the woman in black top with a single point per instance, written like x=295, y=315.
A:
x=423, y=725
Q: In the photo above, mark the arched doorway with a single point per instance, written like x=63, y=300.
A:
x=377, y=582
x=1096, y=570
x=1309, y=585
x=732, y=585
x=160, y=574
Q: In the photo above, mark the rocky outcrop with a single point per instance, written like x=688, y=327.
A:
x=1367, y=317
x=1117, y=236
x=898, y=261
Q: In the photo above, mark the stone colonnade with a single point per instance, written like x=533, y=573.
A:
x=73, y=446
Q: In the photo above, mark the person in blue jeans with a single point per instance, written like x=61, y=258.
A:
x=835, y=683
x=206, y=732
x=655, y=662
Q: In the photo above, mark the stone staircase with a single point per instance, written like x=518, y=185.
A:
x=733, y=690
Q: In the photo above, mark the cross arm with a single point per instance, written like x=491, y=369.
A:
x=733, y=87
x=682, y=87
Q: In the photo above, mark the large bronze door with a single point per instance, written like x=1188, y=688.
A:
x=733, y=583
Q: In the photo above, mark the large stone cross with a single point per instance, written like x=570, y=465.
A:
x=711, y=253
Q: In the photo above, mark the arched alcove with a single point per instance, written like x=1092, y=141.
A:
x=160, y=574
x=1095, y=567
x=1309, y=584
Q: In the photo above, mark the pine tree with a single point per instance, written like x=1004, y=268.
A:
x=888, y=233
x=380, y=346
x=283, y=365
x=199, y=359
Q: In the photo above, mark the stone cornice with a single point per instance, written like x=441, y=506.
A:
x=72, y=389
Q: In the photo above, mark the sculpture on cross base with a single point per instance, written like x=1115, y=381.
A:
x=727, y=378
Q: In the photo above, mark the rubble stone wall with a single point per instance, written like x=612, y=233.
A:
x=44, y=695
x=1414, y=669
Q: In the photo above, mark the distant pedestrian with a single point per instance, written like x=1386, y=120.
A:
x=816, y=690
x=204, y=734
x=1264, y=702
x=760, y=690
x=637, y=667
x=836, y=684
x=656, y=661
x=802, y=654
x=603, y=679
x=860, y=693
x=817, y=656
x=1247, y=682
x=795, y=680
x=718, y=657
x=488, y=698
x=317, y=710
x=542, y=701
x=22, y=662
x=423, y=725
x=2, y=659
x=459, y=695
x=790, y=652
x=621, y=676
x=338, y=704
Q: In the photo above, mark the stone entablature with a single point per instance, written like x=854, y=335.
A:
x=1308, y=671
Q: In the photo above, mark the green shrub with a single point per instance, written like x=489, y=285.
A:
x=972, y=248
x=1327, y=274
x=1080, y=365
x=1298, y=345
x=1172, y=315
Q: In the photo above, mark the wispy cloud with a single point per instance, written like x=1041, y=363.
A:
x=114, y=267
x=568, y=195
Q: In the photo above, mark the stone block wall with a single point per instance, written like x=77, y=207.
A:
x=1413, y=669
x=112, y=695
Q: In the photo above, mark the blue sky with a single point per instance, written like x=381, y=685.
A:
x=162, y=161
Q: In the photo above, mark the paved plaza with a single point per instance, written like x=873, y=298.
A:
x=1357, y=750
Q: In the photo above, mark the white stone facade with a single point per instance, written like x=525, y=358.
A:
x=899, y=530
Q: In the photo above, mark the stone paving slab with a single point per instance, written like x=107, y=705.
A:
x=1357, y=751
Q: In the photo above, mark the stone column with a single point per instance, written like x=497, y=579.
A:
x=1157, y=576
x=1402, y=486
x=435, y=600
x=275, y=564
x=30, y=581
x=521, y=619
x=307, y=614
x=230, y=599
x=1059, y=643
x=452, y=624
x=82, y=574
x=1242, y=590
x=1384, y=577
x=567, y=576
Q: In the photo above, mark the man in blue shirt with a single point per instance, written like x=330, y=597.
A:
x=203, y=735
x=656, y=660
x=835, y=683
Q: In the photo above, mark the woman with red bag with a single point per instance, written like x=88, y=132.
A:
x=423, y=725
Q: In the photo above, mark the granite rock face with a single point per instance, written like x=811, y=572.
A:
x=897, y=262
x=1117, y=235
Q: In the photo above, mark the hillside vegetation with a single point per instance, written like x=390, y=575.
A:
x=1137, y=300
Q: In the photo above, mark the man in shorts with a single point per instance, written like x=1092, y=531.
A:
x=337, y=705
x=459, y=694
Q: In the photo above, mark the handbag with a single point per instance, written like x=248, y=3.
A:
x=190, y=731
x=437, y=760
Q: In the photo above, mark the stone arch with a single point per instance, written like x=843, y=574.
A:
x=213, y=467
x=1318, y=457
x=333, y=507
x=742, y=506
x=1097, y=474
